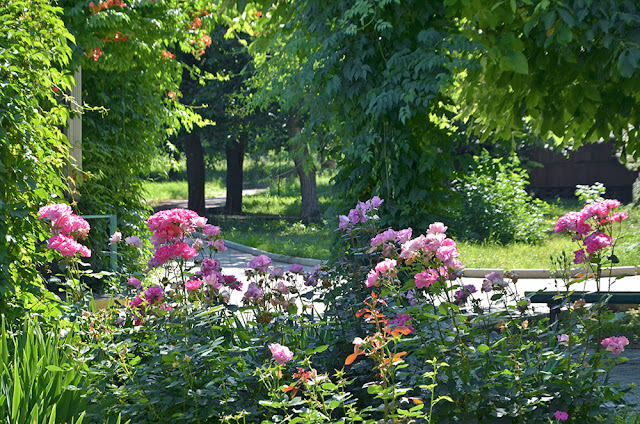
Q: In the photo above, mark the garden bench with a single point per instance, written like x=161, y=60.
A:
x=555, y=299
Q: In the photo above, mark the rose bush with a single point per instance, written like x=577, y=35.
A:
x=400, y=332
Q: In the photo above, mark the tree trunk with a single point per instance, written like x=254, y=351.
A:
x=235, y=158
x=195, y=171
x=310, y=207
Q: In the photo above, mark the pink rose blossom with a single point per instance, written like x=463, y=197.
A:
x=375, y=202
x=133, y=240
x=372, y=278
x=425, y=278
x=199, y=222
x=276, y=272
x=193, y=284
x=381, y=238
x=211, y=230
x=133, y=281
x=597, y=241
x=437, y=228
x=615, y=345
x=386, y=266
x=563, y=339
x=579, y=257
x=115, y=238
x=154, y=294
x=54, y=212
x=280, y=353
x=260, y=263
x=343, y=222
x=136, y=302
x=218, y=246
x=619, y=216
x=253, y=292
x=404, y=235
x=296, y=269
x=562, y=416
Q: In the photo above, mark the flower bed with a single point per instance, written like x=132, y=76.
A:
x=402, y=337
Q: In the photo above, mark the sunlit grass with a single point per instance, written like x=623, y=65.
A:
x=278, y=236
x=165, y=190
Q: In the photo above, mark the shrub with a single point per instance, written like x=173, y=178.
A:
x=496, y=206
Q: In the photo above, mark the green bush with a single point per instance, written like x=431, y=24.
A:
x=495, y=205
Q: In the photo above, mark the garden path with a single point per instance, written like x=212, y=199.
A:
x=209, y=203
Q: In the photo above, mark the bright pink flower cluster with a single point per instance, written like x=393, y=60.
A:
x=171, y=231
x=359, y=214
x=433, y=249
x=280, y=353
x=615, y=345
x=586, y=226
x=66, y=228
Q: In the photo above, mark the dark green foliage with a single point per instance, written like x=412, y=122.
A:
x=569, y=69
x=33, y=47
x=371, y=77
x=496, y=206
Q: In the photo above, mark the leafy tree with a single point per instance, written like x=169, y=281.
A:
x=222, y=100
x=568, y=70
x=33, y=151
x=373, y=73
x=127, y=53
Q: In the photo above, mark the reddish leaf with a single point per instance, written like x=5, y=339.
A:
x=351, y=358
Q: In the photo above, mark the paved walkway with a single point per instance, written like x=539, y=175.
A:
x=209, y=203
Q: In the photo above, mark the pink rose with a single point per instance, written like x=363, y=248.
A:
x=562, y=416
x=133, y=281
x=425, y=278
x=280, y=353
x=372, y=278
x=260, y=262
x=154, y=294
x=133, y=240
x=193, y=284
x=115, y=238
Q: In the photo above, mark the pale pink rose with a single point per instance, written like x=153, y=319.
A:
x=425, y=278
x=296, y=269
x=133, y=240
x=260, y=263
x=115, y=238
x=437, y=228
x=280, y=353
x=276, y=272
x=133, y=281
x=386, y=266
x=372, y=278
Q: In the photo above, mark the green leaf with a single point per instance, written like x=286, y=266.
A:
x=515, y=61
x=483, y=348
x=53, y=368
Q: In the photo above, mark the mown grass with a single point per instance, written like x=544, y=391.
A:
x=165, y=190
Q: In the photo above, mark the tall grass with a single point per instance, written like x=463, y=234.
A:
x=39, y=382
